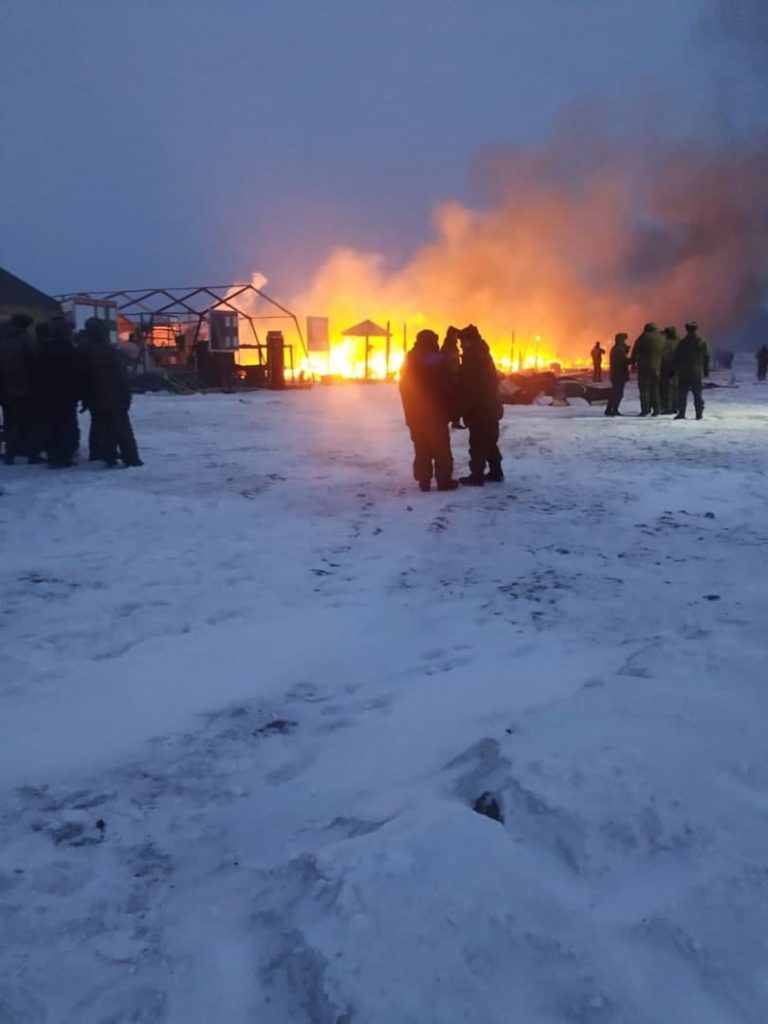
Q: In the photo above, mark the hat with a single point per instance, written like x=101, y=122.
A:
x=427, y=338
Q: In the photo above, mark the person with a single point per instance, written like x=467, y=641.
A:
x=647, y=355
x=691, y=366
x=59, y=386
x=667, y=379
x=481, y=407
x=450, y=350
x=619, y=368
x=107, y=395
x=762, y=362
x=20, y=409
x=597, y=362
x=428, y=394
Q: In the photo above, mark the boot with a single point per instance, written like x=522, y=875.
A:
x=680, y=416
x=472, y=481
x=495, y=476
x=425, y=485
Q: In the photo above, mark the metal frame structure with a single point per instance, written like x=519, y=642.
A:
x=165, y=306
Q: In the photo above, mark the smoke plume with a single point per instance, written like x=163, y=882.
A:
x=573, y=243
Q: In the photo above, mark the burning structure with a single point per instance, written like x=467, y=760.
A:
x=571, y=243
x=210, y=334
x=568, y=244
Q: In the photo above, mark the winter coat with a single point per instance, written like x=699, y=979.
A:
x=619, y=361
x=668, y=356
x=17, y=364
x=479, y=395
x=427, y=388
x=104, y=382
x=450, y=351
x=692, y=358
x=648, y=352
x=59, y=372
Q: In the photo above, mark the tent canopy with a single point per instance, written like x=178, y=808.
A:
x=366, y=329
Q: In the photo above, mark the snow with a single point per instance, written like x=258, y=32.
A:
x=251, y=692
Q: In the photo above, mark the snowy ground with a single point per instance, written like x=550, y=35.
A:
x=250, y=693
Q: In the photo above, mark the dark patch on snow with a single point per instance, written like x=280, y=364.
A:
x=279, y=726
x=488, y=805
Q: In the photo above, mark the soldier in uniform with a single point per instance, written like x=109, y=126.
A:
x=452, y=358
x=668, y=380
x=691, y=365
x=647, y=356
x=481, y=407
x=762, y=362
x=619, y=367
x=20, y=407
x=597, y=354
x=59, y=384
x=107, y=395
x=428, y=394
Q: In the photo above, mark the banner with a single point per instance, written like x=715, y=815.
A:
x=318, y=339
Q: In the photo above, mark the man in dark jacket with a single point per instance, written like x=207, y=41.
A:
x=668, y=380
x=762, y=362
x=107, y=395
x=427, y=390
x=647, y=356
x=17, y=373
x=59, y=385
x=597, y=354
x=619, y=365
x=692, y=365
x=452, y=358
x=481, y=408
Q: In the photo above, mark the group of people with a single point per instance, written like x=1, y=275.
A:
x=45, y=374
x=668, y=368
x=443, y=385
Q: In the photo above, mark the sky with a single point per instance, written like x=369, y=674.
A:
x=176, y=142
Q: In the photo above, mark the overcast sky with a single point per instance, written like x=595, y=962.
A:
x=174, y=142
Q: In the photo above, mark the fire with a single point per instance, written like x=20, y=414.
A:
x=568, y=244
x=346, y=358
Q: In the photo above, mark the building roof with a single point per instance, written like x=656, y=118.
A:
x=17, y=293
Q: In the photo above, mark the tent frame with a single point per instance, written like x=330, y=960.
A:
x=192, y=304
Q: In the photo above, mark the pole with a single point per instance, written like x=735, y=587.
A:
x=366, y=358
x=386, y=353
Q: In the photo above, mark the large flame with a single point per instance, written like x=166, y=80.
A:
x=574, y=243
